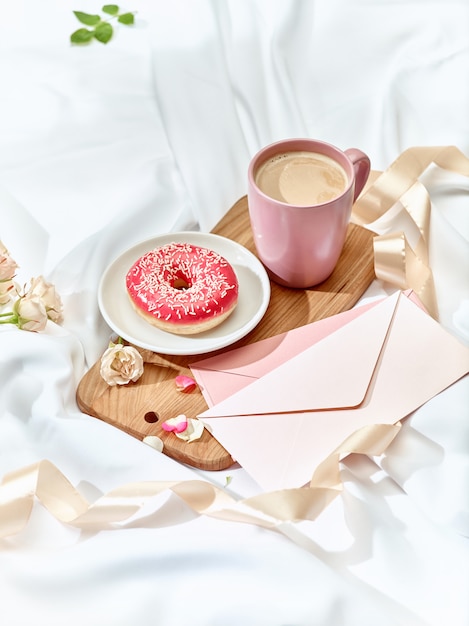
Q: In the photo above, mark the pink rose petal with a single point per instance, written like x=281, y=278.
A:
x=175, y=424
x=186, y=384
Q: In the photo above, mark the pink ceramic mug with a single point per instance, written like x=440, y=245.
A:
x=300, y=197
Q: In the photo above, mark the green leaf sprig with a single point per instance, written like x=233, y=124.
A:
x=99, y=27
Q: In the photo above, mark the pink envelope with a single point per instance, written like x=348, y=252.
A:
x=223, y=375
x=376, y=368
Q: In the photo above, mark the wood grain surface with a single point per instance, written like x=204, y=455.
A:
x=135, y=407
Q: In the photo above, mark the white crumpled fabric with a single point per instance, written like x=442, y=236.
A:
x=104, y=146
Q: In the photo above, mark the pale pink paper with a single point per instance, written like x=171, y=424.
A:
x=252, y=361
x=223, y=375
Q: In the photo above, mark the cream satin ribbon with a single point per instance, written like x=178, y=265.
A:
x=44, y=481
x=395, y=261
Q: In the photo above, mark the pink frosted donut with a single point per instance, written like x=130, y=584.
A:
x=182, y=288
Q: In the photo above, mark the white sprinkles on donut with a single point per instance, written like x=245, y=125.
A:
x=183, y=288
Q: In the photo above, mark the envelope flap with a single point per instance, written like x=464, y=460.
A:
x=256, y=359
x=335, y=373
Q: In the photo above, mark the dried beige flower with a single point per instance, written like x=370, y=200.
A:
x=121, y=364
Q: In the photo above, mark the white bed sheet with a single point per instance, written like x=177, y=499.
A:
x=103, y=146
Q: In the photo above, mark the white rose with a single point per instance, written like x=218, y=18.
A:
x=31, y=312
x=7, y=265
x=7, y=291
x=46, y=292
x=121, y=364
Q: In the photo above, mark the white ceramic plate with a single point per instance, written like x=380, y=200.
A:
x=253, y=299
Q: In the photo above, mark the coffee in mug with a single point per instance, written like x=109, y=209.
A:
x=301, y=178
x=300, y=197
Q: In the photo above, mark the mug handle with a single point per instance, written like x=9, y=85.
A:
x=362, y=166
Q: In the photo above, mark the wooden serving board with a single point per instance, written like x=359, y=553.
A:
x=140, y=408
